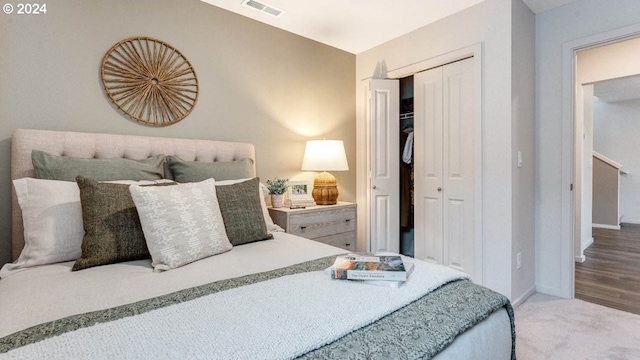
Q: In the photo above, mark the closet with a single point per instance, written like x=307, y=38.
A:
x=407, y=233
x=446, y=171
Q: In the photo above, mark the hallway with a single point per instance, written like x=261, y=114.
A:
x=611, y=274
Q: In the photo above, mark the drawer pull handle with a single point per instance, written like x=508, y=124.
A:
x=302, y=227
x=347, y=244
x=348, y=220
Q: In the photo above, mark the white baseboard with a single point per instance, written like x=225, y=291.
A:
x=589, y=243
x=631, y=221
x=550, y=291
x=581, y=258
x=603, y=226
x=524, y=297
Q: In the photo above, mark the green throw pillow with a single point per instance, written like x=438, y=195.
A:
x=194, y=171
x=242, y=212
x=112, y=228
x=52, y=167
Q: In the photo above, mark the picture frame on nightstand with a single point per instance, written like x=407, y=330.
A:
x=299, y=189
x=299, y=193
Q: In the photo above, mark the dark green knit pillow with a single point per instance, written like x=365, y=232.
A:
x=242, y=212
x=112, y=228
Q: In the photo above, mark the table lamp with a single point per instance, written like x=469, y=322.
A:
x=325, y=155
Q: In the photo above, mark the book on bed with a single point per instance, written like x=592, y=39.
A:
x=408, y=266
x=365, y=267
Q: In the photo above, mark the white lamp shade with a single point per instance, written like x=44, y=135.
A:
x=325, y=155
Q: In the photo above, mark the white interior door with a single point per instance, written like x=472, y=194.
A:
x=383, y=118
x=458, y=146
x=444, y=165
x=427, y=145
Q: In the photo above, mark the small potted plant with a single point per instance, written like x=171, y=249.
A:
x=277, y=187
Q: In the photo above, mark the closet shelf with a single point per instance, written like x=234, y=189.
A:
x=406, y=116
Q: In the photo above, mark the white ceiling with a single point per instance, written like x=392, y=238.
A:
x=619, y=89
x=358, y=25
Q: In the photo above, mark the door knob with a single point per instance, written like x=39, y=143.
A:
x=374, y=187
x=439, y=188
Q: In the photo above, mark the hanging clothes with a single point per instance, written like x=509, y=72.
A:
x=406, y=185
x=407, y=153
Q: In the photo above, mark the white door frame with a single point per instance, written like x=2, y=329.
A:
x=569, y=202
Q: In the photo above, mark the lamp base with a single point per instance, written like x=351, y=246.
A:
x=325, y=189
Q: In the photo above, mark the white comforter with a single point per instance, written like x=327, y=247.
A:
x=47, y=293
x=280, y=318
x=52, y=292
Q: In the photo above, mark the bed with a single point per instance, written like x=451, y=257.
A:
x=253, y=300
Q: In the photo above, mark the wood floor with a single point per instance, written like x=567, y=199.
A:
x=611, y=274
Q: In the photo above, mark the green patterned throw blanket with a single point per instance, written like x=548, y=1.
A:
x=420, y=329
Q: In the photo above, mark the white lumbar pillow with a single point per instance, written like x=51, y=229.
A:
x=181, y=223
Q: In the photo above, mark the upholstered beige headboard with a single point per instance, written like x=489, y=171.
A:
x=89, y=145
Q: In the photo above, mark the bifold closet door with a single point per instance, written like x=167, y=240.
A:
x=427, y=145
x=383, y=121
x=444, y=165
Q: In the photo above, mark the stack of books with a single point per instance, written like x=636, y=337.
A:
x=386, y=270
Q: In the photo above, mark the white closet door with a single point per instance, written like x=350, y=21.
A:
x=383, y=119
x=444, y=165
x=428, y=158
x=458, y=146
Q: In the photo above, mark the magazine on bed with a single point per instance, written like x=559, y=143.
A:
x=365, y=267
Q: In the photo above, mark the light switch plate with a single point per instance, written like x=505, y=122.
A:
x=519, y=158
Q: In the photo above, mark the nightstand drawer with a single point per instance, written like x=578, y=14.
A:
x=330, y=224
x=323, y=223
x=346, y=241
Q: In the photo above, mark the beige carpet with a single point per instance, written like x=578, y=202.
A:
x=552, y=328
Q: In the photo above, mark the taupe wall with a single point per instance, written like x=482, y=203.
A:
x=258, y=84
x=605, y=193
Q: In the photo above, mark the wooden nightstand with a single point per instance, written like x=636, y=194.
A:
x=330, y=224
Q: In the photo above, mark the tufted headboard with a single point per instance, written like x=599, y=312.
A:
x=90, y=145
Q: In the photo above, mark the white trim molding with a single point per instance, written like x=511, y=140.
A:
x=580, y=258
x=605, y=226
x=517, y=302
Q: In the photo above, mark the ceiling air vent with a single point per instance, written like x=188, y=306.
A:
x=268, y=9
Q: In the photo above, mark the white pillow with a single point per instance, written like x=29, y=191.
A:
x=181, y=223
x=52, y=219
x=271, y=226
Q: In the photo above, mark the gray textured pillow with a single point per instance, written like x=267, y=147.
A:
x=54, y=167
x=111, y=224
x=242, y=212
x=181, y=223
x=194, y=171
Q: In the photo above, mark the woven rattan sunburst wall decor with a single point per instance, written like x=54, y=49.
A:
x=150, y=81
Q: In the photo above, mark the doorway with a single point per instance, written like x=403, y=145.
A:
x=597, y=274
